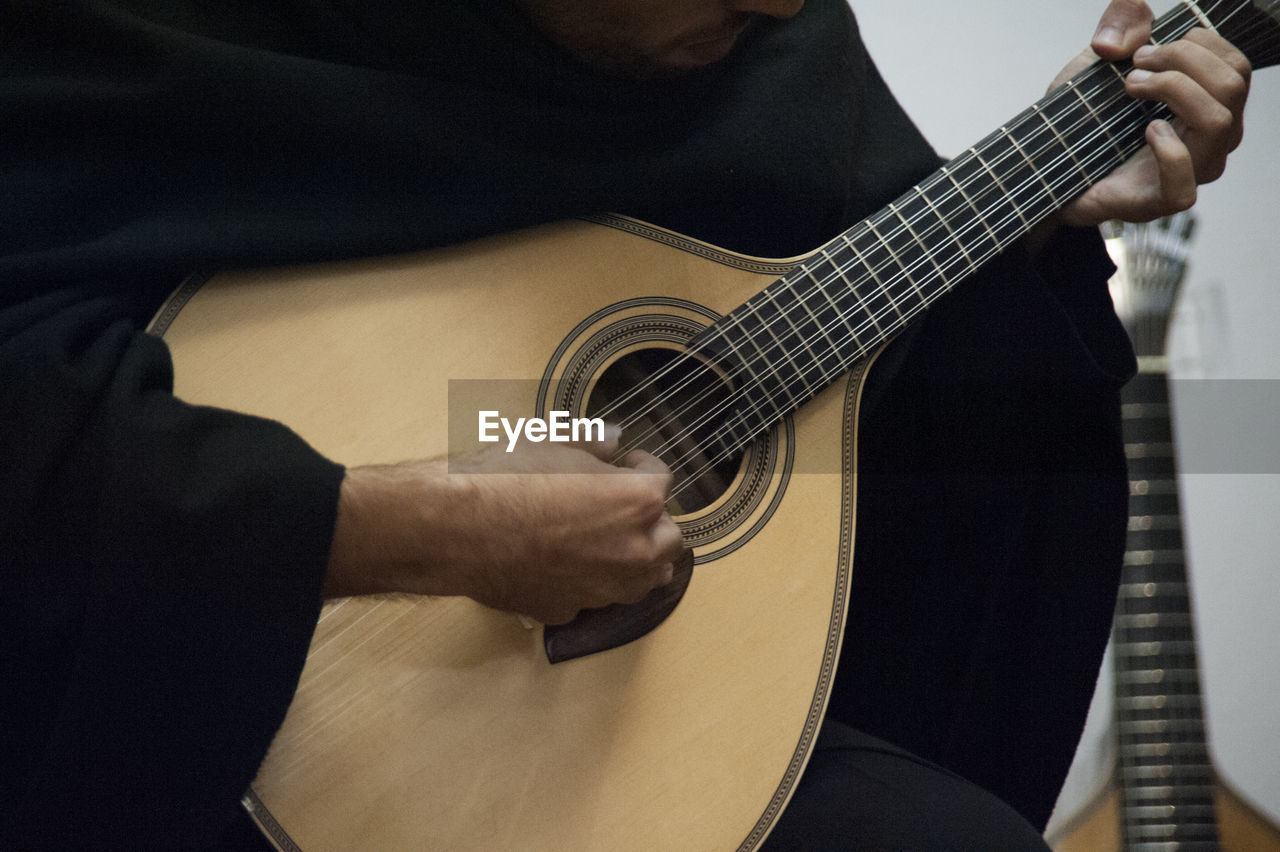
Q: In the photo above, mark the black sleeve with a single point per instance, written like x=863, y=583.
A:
x=162, y=570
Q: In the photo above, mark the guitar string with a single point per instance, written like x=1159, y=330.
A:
x=925, y=260
x=951, y=194
x=1022, y=120
x=1157, y=24
x=919, y=262
x=802, y=299
x=723, y=454
x=731, y=450
x=897, y=229
x=1019, y=123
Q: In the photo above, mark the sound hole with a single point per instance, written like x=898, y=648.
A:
x=673, y=407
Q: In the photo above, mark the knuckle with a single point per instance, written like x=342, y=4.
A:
x=1183, y=199
x=1243, y=67
x=1236, y=90
x=1131, y=9
x=1219, y=120
x=637, y=555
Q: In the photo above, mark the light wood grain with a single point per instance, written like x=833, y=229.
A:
x=436, y=723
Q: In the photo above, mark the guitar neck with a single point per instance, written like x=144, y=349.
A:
x=1166, y=780
x=856, y=292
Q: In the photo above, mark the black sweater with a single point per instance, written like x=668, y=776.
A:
x=162, y=562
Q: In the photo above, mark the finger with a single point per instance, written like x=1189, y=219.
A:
x=1177, y=169
x=1124, y=27
x=1210, y=129
x=1210, y=71
x=604, y=449
x=642, y=462
x=637, y=591
x=666, y=539
x=1225, y=50
x=557, y=615
x=1082, y=61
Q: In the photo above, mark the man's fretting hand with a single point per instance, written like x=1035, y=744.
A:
x=545, y=531
x=1203, y=78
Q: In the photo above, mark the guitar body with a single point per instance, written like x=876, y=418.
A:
x=424, y=723
x=1100, y=828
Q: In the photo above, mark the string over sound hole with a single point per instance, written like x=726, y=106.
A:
x=674, y=407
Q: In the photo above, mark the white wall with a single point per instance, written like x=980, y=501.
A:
x=961, y=69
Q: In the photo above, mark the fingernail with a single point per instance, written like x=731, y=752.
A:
x=1162, y=127
x=612, y=432
x=1144, y=51
x=1109, y=36
x=1138, y=75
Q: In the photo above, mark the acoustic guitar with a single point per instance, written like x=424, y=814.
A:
x=1163, y=789
x=683, y=721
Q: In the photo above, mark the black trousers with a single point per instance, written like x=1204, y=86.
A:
x=861, y=793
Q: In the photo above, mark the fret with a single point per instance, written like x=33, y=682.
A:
x=1153, y=557
x=976, y=212
x=774, y=295
x=924, y=249
x=785, y=382
x=878, y=301
x=826, y=321
x=1140, y=703
x=1039, y=173
x=1170, y=635
x=1062, y=140
x=1156, y=540
x=1192, y=749
x=1175, y=846
x=943, y=219
x=1179, y=696
x=1145, y=563
x=1145, y=838
x=1153, y=487
x=1169, y=791
x=1161, y=675
x=1150, y=590
x=1145, y=772
x=1149, y=450
x=1160, y=727
x=870, y=281
x=1169, y=811
x=1158, y=523
x=742, y=362
x=1200, y=15
x=757, y=394
x=1155, y=649
x=1008, y=195
x=1071, y=85
x=902, y=267
x=874, y=313
x=1152, y=620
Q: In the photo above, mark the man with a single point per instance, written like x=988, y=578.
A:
x=164, y=564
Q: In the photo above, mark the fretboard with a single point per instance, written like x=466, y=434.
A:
x=1166, y=780
x=809, y=327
